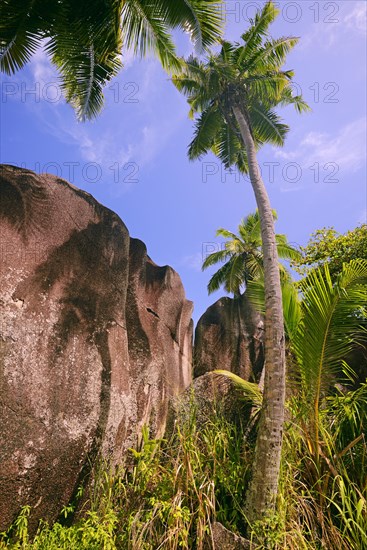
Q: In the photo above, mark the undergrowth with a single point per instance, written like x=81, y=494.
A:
x=175, y=488
x=166, y=499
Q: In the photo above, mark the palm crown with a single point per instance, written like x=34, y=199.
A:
x=84, y=39
x=246, y=75
x=242, y=255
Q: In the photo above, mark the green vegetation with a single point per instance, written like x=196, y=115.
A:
x=236, y=94
x=327, y=246
x=85, y=39
x=242, y=255
x=165, y=499
x=173, y=489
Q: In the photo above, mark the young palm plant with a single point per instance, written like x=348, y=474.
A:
x=328, y=422
x=84, y=38
x=322, y=322
x=331, y=322
x=235, y=93
x=242, y=256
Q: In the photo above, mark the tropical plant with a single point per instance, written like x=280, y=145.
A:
x=327, y=246
x=84, y=39
x=242, y=255
x=235, y=93
x=323, y=327
x=168, y=497
x=332, y=315
x=327, y=422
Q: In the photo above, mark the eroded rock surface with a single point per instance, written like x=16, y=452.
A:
x=94, y=339
x=223, y=539
x=229, y=335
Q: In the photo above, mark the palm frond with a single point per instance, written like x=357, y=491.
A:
x=227, y=146
x=329, y=326
x=266, y=124
x=219, y=278
x=292, y=312
x=272, y=54
x=20, y=34
x=202, y=20
x=250, y=392
x=287, y=98
x=286, y=251
x=215, y=258
x=221, y=232
x=259, y=27
x=207, y=126
x=144, y=29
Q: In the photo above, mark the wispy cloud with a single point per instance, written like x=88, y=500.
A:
x=341, y=19
x=108, y=143
x=192, y=261
x=41, y=68
x=346, y=149
x=357, y=18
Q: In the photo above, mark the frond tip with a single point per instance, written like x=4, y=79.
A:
x=250, y=392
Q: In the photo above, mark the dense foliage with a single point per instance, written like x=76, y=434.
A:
x=327, y=246
x=166, y=498
x=85, y=38
x=242, y=255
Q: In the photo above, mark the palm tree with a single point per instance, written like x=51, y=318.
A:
x=235, y=92
x=328, y=420
x=84, y=38
x=242, y=256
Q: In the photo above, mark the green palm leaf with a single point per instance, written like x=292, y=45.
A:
x=259, y=28
x=206, y=130
x=144, y=30
x=20, y=35
x=267, y=126
x=85, y=39
x=215, y=258
x=250, y=392
x=331, y=315
x=272, y=55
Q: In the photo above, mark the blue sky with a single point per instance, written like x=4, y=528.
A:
x=133, y=157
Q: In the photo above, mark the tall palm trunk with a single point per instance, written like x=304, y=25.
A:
x=264, y=484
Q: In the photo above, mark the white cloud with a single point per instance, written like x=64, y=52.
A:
x=357, y=18
x=41, y=68
x=346, y=149
x=338, y=22
x=115, y=141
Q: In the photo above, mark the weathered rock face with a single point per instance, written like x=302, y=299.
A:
x=159, y=330
x=94, y=339
x=229, y=335
x=223, y=539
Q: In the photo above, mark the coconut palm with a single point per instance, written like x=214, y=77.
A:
x=242, y=256
x=235, y=93
x=323, y=322
x=326, y=448
x=85, y=38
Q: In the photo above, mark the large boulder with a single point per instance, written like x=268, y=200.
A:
x=94, y=340
x=229, y=335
